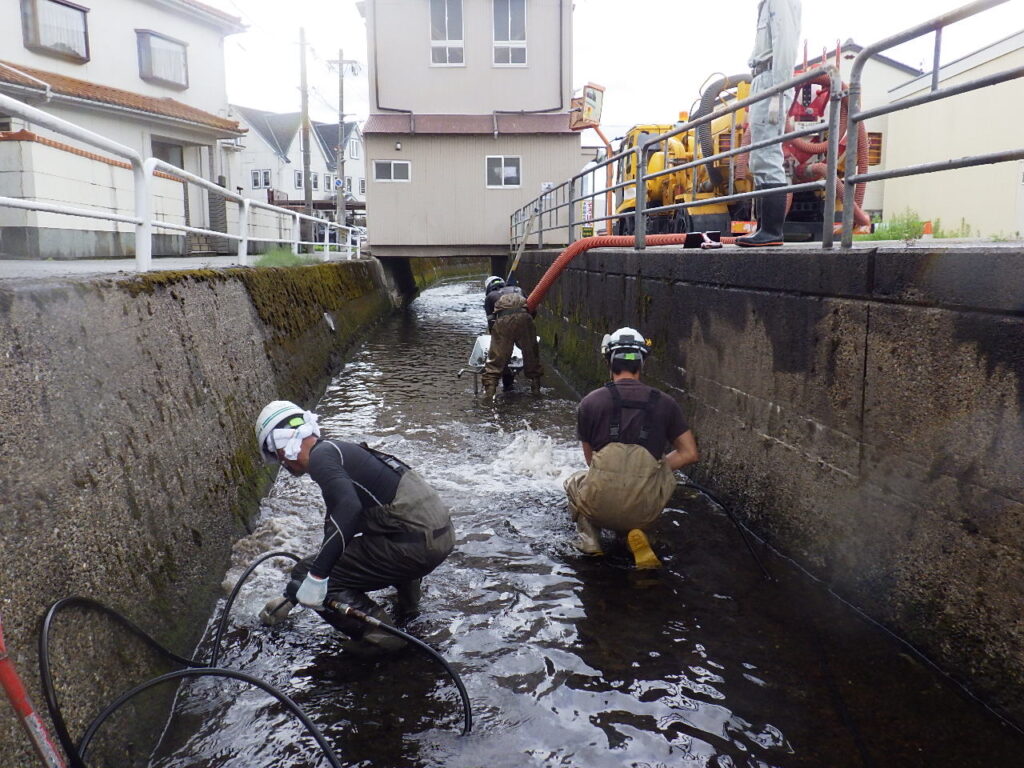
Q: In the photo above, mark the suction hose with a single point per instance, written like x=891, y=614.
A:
x=707, y=105
x=600, y=241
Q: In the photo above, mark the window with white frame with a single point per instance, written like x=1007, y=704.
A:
x=328, y=186
x=503, y=171
x=348, y=184
x=314, y=180
x=298, y=179
x=261, y=178
x=162, y=60
x=56, y=28
x=446, y=47
x=392, y=170
x=362, y=186
x=353, y=149
x=510, y=33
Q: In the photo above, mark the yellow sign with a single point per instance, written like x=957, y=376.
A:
x=586, y=109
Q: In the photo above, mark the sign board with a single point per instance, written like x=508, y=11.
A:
x=546, y=186
x=586, y=109
x=337, y=183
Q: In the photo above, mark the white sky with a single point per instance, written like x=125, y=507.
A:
x=652, y=56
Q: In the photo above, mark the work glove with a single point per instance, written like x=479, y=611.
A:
x=312, y=591
x=276, y=610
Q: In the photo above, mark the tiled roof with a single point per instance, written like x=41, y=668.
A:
x=468, y=124
x=103, y=94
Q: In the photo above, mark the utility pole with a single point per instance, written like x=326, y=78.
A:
x=340, y=157
x=307, y=187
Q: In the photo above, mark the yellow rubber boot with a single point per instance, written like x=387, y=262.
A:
x=641, y=549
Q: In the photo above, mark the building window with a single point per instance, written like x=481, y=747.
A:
x=315, y=177
x=446, y=33
x=56, y=28
x=353, y=149
x=162, y=60
x=298, y=179
x=261, y=179
x=503, y=171
x=510, y=33
x=362, y=186
x=874, y=148
x=348, y=184
x=6, y=123
x=391, y=170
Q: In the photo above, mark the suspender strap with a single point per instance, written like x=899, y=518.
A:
x=393, y=462
x=615, y=422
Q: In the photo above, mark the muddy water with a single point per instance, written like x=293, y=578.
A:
x=568, y=661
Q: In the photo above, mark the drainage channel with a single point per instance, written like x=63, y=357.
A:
x=568, y=661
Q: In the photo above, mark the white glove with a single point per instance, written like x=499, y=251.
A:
x=312, y=591
x=276, y=610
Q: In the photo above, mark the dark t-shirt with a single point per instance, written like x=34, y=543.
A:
x=493, y=296
x=665, y=422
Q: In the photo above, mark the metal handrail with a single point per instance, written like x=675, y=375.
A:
x=640, y=211
x=856, y=115
x=142, y=174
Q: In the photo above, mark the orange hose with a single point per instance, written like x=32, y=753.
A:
x=585, y=244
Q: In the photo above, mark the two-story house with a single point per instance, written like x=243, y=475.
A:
x=271, y=161
x=146, y=73
x=469, y=116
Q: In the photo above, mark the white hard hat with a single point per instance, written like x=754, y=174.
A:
x=624, y=342
x=270, y=417
x=493, y=282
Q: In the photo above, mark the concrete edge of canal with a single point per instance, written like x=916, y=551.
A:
x=864, y=412
x=129, y=466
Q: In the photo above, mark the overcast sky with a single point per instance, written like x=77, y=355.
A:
x=651, y=55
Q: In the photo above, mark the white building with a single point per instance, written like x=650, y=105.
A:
x=469, y=116
x=270, y=161
x=984, y=201
x=146, y=73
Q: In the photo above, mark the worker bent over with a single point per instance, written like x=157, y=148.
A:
x=510, y=324
x=625, y=427
x=384, y=527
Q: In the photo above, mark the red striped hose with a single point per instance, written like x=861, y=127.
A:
x=585, y=244
x=31, y=721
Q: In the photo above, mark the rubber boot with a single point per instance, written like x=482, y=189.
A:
x=408, y=603
x=589, y=539
x=772, y=216
x=508, y=380
x=641, y=549
x=490, y=390
x=534, y=386
x=365, y=641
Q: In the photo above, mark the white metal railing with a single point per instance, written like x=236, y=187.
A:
x=345, y=239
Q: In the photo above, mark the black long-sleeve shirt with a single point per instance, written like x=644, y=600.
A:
x=491, y=298
x=352, y=480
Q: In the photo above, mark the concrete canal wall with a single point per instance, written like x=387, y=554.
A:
x=128, y=460
x=864, y=412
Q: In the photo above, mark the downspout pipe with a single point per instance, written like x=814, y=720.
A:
x=376, y=79
x=561, y=77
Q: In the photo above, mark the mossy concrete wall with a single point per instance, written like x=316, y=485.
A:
x=863, y=411
x=128, y=460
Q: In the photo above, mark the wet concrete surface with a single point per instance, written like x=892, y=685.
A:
x=569, y=661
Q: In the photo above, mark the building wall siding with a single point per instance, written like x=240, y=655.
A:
x=447, y=201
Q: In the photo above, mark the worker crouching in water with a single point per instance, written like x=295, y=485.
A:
x=384, y=527
x=625, y=427
x=510, y=323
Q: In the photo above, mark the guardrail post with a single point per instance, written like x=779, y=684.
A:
x=828, y=219
x=243, y=232
x=143, y=173
x=296, y=225
x=572, y=210
x=640, y=201
x=327, y=241
x=851, y=155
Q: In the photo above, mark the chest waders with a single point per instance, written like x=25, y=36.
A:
x=625, y=487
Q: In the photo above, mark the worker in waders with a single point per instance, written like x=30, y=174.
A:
x=771, y=63
x=384, y=527
x=625, y=428
x=510, y=323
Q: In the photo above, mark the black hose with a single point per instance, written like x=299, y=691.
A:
x=739, y=526
x=222, y=625
x=46, y=677
x=295, y=709
x=467, y=713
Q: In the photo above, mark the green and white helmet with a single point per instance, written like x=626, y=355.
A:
x=278, y=414
x=493, y=283
x=625, y=344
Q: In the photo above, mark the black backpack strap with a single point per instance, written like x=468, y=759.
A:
x=393, y=462
x=615, y=422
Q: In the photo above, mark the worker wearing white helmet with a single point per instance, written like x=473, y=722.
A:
x=384, y=526
x=510, y=324
x=625, y=428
